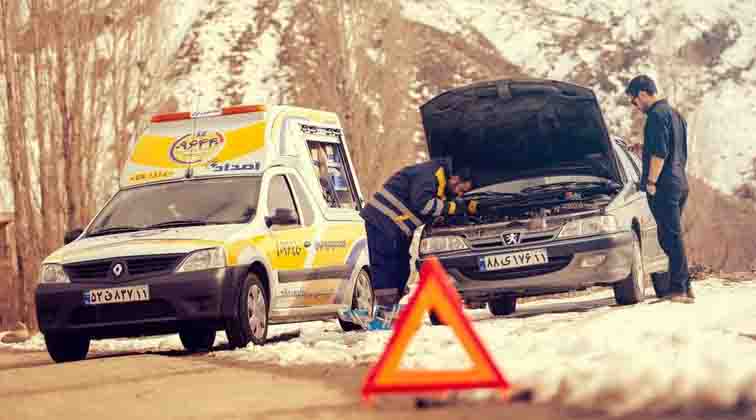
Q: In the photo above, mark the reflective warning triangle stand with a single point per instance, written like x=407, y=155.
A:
x=434, y=292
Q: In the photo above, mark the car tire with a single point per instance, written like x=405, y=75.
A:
x=661, y=283
x=362, y=298
x=197, y=339
x=632, y=290
x=67, y=347
x=251, y=320
x=505, y=305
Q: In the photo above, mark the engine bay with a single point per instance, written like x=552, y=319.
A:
x=558, y=200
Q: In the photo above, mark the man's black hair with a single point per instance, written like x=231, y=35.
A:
x=641, y=83
x=465, y=174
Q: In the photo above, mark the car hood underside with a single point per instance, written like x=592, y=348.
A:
x=508, y=129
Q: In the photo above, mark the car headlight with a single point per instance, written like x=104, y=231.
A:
x=589, y=226
x=205, y=259
x=433, y=245
x=53, y=273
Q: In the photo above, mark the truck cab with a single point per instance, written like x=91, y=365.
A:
x=228, y=220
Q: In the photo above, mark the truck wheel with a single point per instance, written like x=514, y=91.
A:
x=251, y=320
x=506, y=305
x=362, y=298
x=661, y=283
x=632, y=289
x=67, y=347
x=197, y=339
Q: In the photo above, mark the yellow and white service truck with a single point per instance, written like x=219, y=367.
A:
x=229, y=220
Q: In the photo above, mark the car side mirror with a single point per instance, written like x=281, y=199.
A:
x=71, y=235
x=282, y=217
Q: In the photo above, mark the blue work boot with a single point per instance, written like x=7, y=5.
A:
x=384, y=317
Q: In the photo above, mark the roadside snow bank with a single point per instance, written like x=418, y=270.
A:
x=582, y=352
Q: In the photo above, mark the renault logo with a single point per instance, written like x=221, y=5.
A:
x=118, y=270
x=511, y=238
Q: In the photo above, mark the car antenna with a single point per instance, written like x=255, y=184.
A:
x=190, y=169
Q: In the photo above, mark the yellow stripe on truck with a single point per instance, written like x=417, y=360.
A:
x=335, y=243
x=155, y=151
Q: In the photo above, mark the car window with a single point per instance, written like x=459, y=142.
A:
x=305, y=205
x=329, y=162
x=630, y=169
x=280, y=197
x=636, y=163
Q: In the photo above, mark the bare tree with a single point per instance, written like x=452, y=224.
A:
x=358, y=61
x=61, y=81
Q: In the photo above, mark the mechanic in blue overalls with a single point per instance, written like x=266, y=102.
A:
x=414, y=196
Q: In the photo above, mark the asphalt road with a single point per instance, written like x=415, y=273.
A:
x=175, y=385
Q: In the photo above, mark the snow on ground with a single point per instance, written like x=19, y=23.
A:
x=583, y=351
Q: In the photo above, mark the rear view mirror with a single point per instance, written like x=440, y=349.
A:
x=71, y=235
x=282, y=217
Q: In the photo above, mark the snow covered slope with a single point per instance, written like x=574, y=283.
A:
x=702, y=53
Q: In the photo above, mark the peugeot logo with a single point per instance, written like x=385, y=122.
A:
x=511, y=238
x=118, y=270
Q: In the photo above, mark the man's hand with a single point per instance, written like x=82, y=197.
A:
x=651, y=189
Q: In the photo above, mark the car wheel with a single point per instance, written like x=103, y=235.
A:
x=251, y=321
x=661, y=284
x=632, y=289
x=362, y=298
x=506, y=305
x=67, y=347
x=197, y=339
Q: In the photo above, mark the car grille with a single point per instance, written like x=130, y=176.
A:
x=554, y=264
x=492, y=238
x=135, y=266
x=122, y=312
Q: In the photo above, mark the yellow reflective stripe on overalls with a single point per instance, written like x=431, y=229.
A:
x=391, y=214
x=441, y=178
x=391, y=198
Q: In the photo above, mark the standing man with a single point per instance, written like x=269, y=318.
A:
x=665, y=154
x=414, y=196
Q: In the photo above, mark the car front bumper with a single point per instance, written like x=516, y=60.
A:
x=568, y=268
x=175, y=299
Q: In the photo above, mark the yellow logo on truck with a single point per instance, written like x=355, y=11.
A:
x=203, y=147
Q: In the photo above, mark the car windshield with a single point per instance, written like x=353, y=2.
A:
x=519, y=186
x=185, y=203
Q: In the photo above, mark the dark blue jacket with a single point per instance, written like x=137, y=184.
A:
x=666, y=137
x=410, y=198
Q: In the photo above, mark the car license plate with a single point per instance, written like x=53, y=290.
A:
x=513, y=260
x=117, y=295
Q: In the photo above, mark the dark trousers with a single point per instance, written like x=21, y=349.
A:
x=389, y=263
x=667, y=207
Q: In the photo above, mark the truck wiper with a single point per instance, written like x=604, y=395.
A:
x=177, y=223
x=115, y=229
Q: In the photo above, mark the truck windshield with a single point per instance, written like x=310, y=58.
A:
x=185, y=203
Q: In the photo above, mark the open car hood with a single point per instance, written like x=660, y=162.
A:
x=509, y=129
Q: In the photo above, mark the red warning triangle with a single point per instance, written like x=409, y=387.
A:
x=434, y=292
